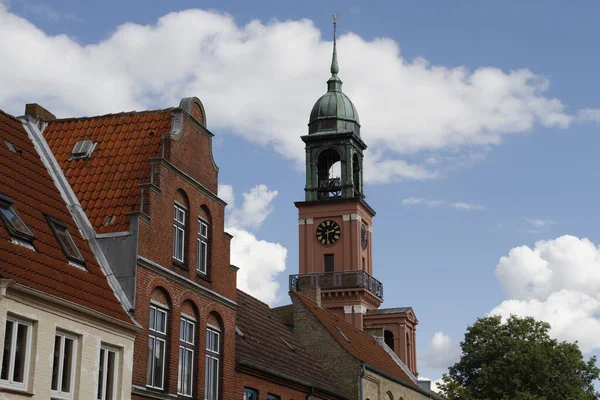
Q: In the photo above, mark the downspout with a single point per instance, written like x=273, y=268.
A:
x=360, y=379
x=311, y=393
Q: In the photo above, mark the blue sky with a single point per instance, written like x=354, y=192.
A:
x=521, y=183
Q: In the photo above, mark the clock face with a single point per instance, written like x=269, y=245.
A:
x=328, y=232
x=363, y=236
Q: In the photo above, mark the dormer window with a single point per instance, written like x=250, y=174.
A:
x=13, y=222
x=65, y=240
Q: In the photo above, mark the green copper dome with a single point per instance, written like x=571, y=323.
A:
x=334, y=111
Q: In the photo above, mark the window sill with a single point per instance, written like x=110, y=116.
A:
x=179, y=264
x=22, y=392
x=203, y=276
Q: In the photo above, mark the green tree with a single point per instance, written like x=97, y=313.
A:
x=518, y=360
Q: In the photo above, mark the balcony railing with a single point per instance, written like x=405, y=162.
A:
x=338, y=280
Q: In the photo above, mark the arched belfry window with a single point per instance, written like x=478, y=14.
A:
x=356, y=178
x=388, y=338
x=329, y=174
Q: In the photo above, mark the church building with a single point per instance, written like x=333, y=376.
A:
x=336, y=225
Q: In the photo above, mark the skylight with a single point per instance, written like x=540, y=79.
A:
x=287, y=344
x=83, y=149
x=12, y=147
x=13, y=222
x=65, y=240
x=342, y=333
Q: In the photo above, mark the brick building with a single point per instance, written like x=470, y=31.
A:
x=272, y=363
x=148, y=183
x=65, y=334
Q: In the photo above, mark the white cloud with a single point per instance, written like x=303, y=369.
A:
x=441, y=352
x=589, y=115
x=557, y=281
x=255, y=209
x=537, y=225
x=461, y=206
x=226, y=194
x=261, y=79
x=259, y=261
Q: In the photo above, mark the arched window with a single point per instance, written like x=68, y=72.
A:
x=187, y=349
x=157, y=339
x=409, y=359
x=203, y=242
x=388, y=337
x=356, y=174
x=180, y=223
x=390, y=395
x=213, y=357
x=329, y=174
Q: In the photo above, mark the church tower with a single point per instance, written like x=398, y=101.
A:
x=335, y=220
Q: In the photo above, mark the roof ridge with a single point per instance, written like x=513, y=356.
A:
x=119, y=114
x=255, y=298
x=9, y=115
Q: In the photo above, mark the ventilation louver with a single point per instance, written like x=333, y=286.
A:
x=83, y=149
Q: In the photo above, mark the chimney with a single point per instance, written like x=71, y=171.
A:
x=38, y=112
x=309, y=289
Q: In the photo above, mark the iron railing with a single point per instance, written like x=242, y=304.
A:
x=338, y=280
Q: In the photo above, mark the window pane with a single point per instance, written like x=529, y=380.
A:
x=189, y=359
x=207, y=380
x=180, y=372
x=13, y=218
x=101, y=375
x=160, y=321
x=67, y=242
x=20, y=353
x=158, y=363
x=111, y=369
x=6, y=351
x=150, y=361
x=56, y=362
x=215, y=377
x=152, y=317
x=67, y=366
x=190, y=333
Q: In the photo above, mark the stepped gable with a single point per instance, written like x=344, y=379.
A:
x=26, y=181
x=107, y=182
x=360, y=345
x=268, y=343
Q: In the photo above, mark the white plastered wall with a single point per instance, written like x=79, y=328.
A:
x=91, y=334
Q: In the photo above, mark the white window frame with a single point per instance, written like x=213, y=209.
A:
x=59, y=393
x=179, y=214
x=161, y=336
x=9, y=383
x=102, y=382
x=212, y=354
x=202, y=263
x=186, y=346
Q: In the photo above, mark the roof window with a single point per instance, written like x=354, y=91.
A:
x=342, y=333
x=13, y=222
x=12, y=147
x=65, y=240
x=292, y=348
x=83, y=149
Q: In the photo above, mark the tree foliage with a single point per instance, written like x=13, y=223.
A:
x=518, y=360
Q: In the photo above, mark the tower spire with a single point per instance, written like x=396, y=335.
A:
x=334, y=61
x=334, y=84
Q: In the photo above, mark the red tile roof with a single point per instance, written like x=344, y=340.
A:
x=360, y=345
x=25, y=179
x=106, y=184
x=266, y=342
